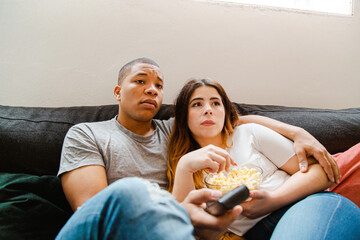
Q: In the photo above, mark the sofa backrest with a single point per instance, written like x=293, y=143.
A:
x=31, y=138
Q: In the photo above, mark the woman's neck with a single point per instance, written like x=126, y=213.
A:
x=217, y=141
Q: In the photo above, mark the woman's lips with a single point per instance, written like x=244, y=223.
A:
x=207, y=123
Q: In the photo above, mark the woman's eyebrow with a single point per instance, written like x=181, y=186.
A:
x=200, y=98
x=214, y=98
x=196, y=99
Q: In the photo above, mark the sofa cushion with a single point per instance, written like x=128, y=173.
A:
x=31, y=138
x=31, y=207
x=338, y=130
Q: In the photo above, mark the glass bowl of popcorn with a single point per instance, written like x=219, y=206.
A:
x=248, y=175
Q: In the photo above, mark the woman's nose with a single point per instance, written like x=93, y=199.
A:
x=208, y=110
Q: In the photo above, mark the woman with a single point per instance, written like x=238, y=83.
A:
x=204, y=137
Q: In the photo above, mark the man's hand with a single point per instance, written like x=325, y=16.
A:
x=208, y=226
x=306, y=145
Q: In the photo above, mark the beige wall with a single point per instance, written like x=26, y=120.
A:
x=67, y=53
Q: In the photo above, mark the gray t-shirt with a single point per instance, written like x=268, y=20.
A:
x=120, y=151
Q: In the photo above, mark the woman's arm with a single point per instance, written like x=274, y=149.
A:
x=298, y=186
x=305, y=145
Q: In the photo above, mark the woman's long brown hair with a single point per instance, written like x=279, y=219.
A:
x=181, y=140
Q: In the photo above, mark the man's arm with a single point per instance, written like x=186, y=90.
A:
x=208, y=226
x=82, y=183
x=80, y=149
x=305, y=145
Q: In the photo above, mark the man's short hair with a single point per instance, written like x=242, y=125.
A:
x=127, y=67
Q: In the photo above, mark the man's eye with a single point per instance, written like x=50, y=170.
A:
x=139, y=81
x=159, y=86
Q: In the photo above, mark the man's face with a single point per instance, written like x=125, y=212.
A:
x=141, y=92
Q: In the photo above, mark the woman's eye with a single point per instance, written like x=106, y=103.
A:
x=139, y=81
x=196, y=104
x=217, y=104
x=159, y=86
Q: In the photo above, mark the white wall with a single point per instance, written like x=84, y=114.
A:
x=67, y=53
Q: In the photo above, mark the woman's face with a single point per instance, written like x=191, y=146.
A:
x=206, y=116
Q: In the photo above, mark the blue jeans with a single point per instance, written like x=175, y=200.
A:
x=324, y=215
x=130, y=208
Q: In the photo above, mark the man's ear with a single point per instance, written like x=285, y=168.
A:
x=117, y=92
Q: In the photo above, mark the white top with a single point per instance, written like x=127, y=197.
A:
x=260, y=146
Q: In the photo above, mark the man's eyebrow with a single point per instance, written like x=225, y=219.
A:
x=145, y=74
x=141, y=74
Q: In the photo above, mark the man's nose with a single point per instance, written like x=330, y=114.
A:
x=151, y=90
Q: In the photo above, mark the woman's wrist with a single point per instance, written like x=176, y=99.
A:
x=183, y=168
x=278, y=199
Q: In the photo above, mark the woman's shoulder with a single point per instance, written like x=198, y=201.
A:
x=243, y=130
x=246, y=127
x=250, y=129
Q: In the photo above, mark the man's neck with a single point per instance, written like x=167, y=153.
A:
x=141, y=128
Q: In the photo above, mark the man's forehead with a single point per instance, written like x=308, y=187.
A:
x=144, y=68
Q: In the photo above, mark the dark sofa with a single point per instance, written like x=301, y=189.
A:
x=32, y=204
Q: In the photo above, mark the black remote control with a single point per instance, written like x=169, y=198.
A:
x=228, y=201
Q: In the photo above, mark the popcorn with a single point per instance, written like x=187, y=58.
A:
x=251, y=177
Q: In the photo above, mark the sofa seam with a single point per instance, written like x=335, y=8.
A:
x=36, y=121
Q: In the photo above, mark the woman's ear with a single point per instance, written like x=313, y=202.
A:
x=117, y=93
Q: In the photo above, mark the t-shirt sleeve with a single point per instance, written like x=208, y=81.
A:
x=273, y=145
x=79, y=149
x=166, y=125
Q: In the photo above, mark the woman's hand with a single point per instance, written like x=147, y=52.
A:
x=262, y=203
x=210, y=157
x=306, y=145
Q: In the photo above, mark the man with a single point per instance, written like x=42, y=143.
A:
x=133, y=144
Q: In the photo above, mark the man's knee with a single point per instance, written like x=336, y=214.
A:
x=126, y=189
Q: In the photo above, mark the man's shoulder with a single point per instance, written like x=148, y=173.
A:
x=165, y=125
x=92, y=126
x=166, y=121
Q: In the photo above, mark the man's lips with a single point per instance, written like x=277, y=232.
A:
x=208, y=123
x=149, y=103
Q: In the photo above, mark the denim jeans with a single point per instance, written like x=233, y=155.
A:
x=133, y=208
x=324, y=215
x=130, y=208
